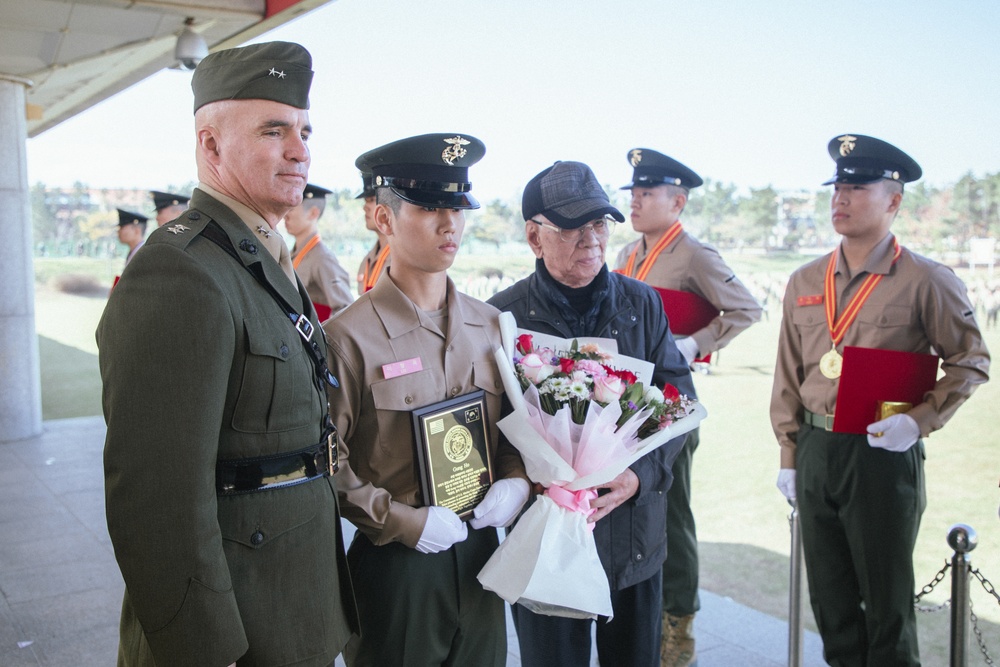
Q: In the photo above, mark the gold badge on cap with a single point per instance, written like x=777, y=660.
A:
x=454, y=150
x=635, y=156
x=846, y=144
x=177, y=229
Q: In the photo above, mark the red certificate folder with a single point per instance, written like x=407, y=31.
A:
x=871, y=375
x=687, y=312
x=323, y=312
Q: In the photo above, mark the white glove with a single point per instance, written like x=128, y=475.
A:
x=688, y=348
x=501, y=503
x=786, y=483
x=898, y=433
x=443, y=529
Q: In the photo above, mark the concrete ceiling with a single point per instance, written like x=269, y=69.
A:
x=77, y=53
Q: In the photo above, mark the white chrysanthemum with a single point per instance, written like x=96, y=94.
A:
x=579, y=390
x=653, y=395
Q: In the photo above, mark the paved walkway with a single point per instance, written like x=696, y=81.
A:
x=60, y=588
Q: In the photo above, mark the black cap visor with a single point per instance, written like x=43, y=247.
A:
x=437, y=198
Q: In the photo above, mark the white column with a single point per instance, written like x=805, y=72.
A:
x=20, y=383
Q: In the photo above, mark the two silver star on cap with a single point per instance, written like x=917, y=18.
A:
x=278, y=73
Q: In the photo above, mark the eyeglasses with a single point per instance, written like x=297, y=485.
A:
x=602, y=228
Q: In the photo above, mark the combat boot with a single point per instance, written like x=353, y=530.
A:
x=677, y=644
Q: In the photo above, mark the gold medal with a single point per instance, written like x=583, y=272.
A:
x=830, y=364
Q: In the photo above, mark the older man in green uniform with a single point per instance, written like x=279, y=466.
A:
x=219, y=454
x=860, y=491
x=411, y=342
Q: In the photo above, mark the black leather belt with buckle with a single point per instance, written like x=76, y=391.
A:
x=272, y=472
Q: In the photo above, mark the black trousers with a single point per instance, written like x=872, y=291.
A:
x=632, y=637
x=425, y=609
x=860, y=510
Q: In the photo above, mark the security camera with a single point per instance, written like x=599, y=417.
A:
x=191, y=47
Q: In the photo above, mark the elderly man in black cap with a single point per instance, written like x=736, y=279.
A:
x=860, y=491
x=325, y=279
x=707, y=307
x=571, y=294
x=219, y=456
x=377, y=261
x=408, y=344
x=168, y=205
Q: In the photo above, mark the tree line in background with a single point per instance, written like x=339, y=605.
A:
x=934, y=220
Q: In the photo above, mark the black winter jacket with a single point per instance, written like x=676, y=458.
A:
x=631, y=541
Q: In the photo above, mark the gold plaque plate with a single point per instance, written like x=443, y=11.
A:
x=454, y=457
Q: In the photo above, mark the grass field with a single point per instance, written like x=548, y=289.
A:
x=742, y=518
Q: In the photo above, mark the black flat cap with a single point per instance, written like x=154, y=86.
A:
x=651, y=168
x=568, y=194
x=862, y=159
x=427, y=170
x=276, y=71
x=367, y=188
x=315, y=192
x=162, y=200
x=126, y=218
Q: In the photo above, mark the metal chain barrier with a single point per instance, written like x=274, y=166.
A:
x=938, y=578
x=988, y=587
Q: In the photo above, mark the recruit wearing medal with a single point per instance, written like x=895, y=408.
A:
x=860, y=493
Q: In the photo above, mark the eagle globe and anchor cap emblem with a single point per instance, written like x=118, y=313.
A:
x=635, y=156
x=454, y=151
x=846, y=144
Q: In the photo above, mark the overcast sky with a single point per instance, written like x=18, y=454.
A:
x=743, y=92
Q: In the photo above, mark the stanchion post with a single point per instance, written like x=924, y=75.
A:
x=795, y=591
x=962, y=539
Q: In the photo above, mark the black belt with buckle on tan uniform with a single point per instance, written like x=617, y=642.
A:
x=271, y=472
x=824, y=422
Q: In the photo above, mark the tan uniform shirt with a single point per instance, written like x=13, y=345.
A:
x=378, y=478
x=920, y=306
x=326, y=281
x=368, y=263
x=687, y=265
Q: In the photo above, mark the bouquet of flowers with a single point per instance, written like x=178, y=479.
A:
x=582, y=414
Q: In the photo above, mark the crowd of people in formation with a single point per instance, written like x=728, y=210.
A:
x=254, y=396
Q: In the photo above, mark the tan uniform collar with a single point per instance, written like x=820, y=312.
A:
x=253, y=220
x=879, y=259
x=399, y=315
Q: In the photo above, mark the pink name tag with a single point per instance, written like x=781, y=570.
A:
x=404, y=367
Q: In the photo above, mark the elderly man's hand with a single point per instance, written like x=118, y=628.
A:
x=621, y=488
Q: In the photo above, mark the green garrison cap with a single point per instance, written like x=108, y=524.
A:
x=276, y=71
x=862, y=159
x=428, y=170
x=162, y=200
x=651, y=168
x=126, y=218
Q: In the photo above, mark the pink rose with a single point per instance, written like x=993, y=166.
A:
x=535, y=369
x=608, y=389
x=594, y=368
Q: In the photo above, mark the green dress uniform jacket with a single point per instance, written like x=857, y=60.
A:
x=200, y=364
